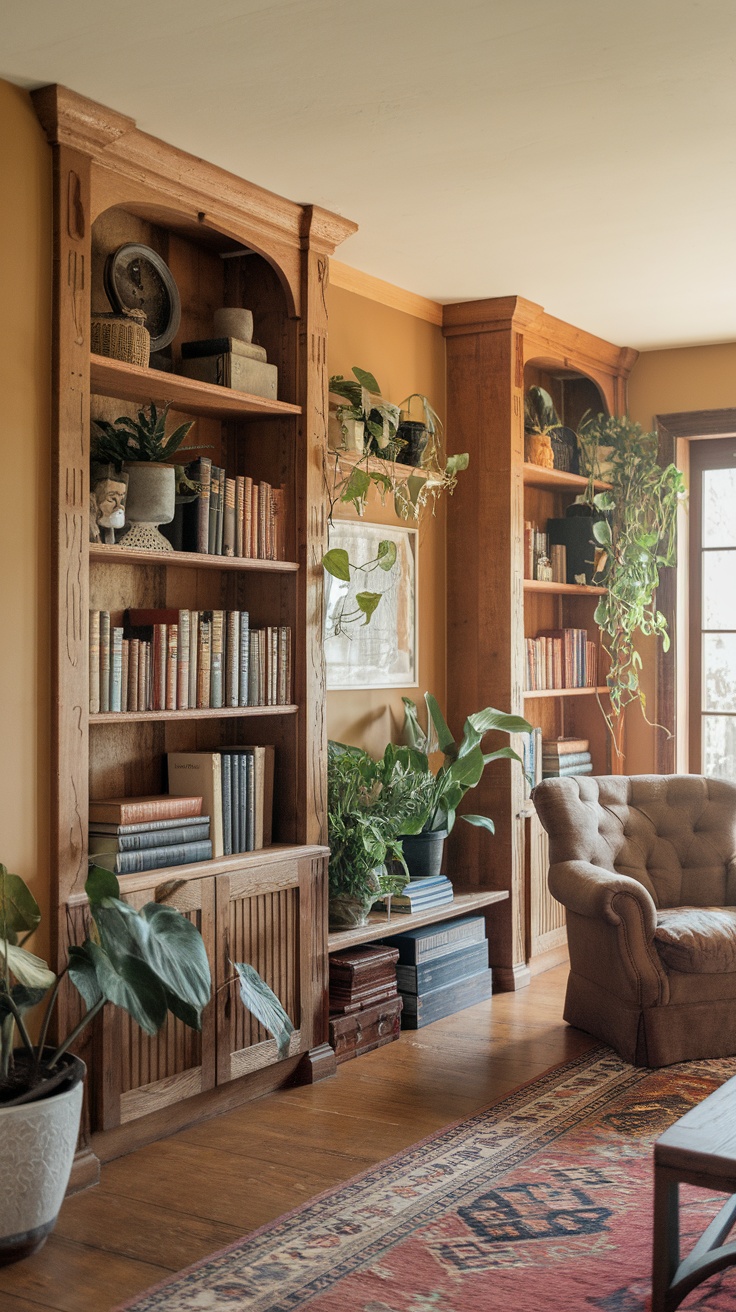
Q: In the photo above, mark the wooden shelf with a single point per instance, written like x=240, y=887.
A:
x=376, y=464
x=563, y=589
x=128, y=382
x=194, y=713
x=566, y=692
x=113, y=555
x=380, y=927
x=254, y=862
x=554, y=479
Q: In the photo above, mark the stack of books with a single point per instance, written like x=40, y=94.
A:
x=237, y=786
x=537, y=547
x=442, y=969
x=365, y=1007
x=566, y=756
x=561, y=658
x=233, y=516
x=177, y=660
x=130, y=834
x=421, y=894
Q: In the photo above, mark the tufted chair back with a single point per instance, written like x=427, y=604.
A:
x=675, y=834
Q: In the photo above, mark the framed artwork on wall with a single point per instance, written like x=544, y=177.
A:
x=382, y=654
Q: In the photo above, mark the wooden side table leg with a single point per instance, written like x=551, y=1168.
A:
x=666, y=1242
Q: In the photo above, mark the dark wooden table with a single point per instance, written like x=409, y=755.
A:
x=698, y=1149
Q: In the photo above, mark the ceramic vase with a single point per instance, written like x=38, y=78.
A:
x=151, y=501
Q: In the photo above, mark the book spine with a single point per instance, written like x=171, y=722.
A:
x=204, y=477
x=133, y=674
x=220, y=509
x=153, y=858
x=253, y=668
x=94, y=662
x=251, y=819
x=228, y=520
x=182, y=662
x=104, y=660
x=125, y=674
x=239, y=513
x=160, y=649
x=172, y=648
x=232, y=664
x=193, y=653
x=203, y=659
x=142, y=675
x=244, y=652
x=445, y=970
x=227, y=803
x=116, y=669
x=423, y=1009
x=141, y=811
x=442, y=941
x=216, y=659
x=254, y=521
x=154, y=838
x=248, y=517
x=183, y=822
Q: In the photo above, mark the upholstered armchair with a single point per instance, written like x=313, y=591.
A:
x=646, y=867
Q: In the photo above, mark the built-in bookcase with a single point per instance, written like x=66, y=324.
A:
x=226, y=242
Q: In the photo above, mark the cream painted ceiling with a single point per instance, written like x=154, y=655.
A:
x=577, y=152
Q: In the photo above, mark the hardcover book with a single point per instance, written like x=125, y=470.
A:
x=422, y=1009
x=200, y=772
x=141, y=810
x=176, y=836
x=445, y=970
x=428, y=942
x=154, y=858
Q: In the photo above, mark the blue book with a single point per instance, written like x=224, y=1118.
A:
x=227, y=806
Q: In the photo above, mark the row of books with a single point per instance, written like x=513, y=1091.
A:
x=542, y=561
x=421, y=894
x=234, y=516
x=236, y=784
x=178, y=660
x=561, y=658
x=166, y=831
x=442, y=969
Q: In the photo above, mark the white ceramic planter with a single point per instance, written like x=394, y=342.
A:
x=151, y=501
x=37, y=1143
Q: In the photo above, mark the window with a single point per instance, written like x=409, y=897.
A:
x=713, y=608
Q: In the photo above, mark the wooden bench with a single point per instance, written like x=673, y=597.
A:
x=699, y=1149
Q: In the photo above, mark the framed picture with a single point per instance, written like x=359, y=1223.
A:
x=383, y=653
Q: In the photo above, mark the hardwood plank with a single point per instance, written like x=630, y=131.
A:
x=379, y=926
x=103, y=554
x=136, y=1233
x=67, y=1277
x=130, y=382
x=562, y=589
x=565, y=692
x=198, y=713
x=537, y=476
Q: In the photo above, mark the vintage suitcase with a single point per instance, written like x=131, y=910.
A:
x=364, y=1030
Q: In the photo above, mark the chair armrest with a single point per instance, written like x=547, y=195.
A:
x=592, y=891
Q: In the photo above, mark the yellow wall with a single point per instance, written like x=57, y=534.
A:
x=25, y=359
x=406, y=355
x=663, y=382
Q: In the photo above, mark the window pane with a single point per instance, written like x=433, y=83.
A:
x=719, y=672
x=719, y=746
x=719, y=589
x=719, y=507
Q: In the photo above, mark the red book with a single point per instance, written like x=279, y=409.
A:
x=137, y=810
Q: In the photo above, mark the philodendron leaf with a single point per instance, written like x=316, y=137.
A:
x=483, y=721
x=262, y=1002
x=23, y=998
x=502, y=753
x=480, y=822
x=337, y=563
x=83, y=975
x=19, y=911
x=367, y=602
x=366, y=380
x=445, y=740
x=132, y=985
x=386, y=555
x=175, y=951
x=456, y=464
x=27, y=968
x=101, y=884
x=602, y=532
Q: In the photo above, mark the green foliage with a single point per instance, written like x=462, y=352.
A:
x=540, y=415
x=369, y=803
x=639, y=539
x=364, y=402
x=262, y=1002
x=339, y=565
x=143, y=438
x=464, y=762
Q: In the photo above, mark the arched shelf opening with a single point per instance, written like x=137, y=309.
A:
x=574, y=394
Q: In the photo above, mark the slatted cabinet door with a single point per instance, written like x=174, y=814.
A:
x=265, y=918
x=138, y=1074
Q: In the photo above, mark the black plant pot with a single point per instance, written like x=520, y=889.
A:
x=575, y=533
x=423, y=853
x=414, y=434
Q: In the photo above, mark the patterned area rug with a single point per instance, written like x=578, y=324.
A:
x=541, y=1202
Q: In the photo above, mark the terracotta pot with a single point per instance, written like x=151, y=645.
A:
x=37, y=1143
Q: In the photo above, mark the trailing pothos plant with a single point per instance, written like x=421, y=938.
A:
x=638, y=537
x=149, y=962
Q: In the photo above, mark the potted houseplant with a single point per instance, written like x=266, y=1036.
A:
x=148, y=962
x=461, y=770
x=636, y=532
x=141, y=448
x=367, y=422
x=368, y=804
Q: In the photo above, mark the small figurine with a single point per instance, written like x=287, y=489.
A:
x=107, y=503
x=544, y=570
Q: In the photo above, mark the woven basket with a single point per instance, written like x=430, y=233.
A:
x=122, y=337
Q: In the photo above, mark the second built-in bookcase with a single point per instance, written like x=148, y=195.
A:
x=226, y=243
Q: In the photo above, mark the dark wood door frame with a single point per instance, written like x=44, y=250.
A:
x=674, y=429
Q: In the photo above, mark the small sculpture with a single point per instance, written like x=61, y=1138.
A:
x=538, y=450
x=107, y=503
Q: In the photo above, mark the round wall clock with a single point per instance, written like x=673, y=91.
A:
x=136, y=278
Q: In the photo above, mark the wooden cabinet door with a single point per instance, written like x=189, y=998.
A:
x=135, y=1074
x=273, y=918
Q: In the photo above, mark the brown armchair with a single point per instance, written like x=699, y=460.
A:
x=646, y=867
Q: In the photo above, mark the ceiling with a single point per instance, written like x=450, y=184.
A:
x=581, y=153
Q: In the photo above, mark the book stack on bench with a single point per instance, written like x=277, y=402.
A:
x=442, y=969
x=421, y=894
x=566, y=756
x=365, y=1007
x=128, y=835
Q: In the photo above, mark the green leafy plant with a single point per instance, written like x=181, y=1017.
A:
x=463, y=764
x=540, y=415
x=364, y=403
x=338, y=564
x=638, y=537
x=143, y=438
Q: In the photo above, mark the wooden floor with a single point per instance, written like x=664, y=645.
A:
x=165, y=1206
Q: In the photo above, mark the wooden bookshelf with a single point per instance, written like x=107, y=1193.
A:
x=562, y=589
x=269, y=907
x=553, y=480
x=539, y=693
x=380, y=926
